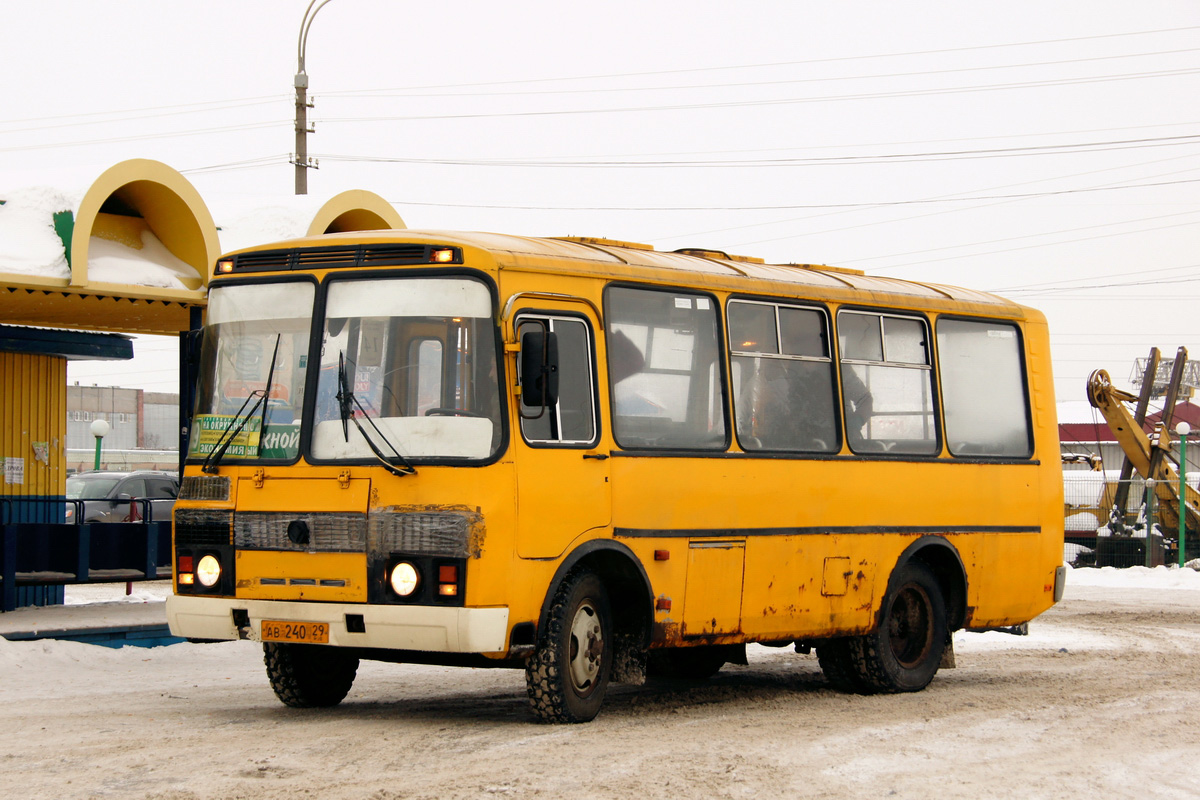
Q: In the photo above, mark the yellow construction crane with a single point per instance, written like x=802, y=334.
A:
x=1150, y=454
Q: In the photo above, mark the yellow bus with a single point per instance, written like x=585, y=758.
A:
x=596, y=461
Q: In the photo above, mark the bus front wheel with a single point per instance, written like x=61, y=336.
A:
x=567, y=675
x=309, y=675
x=905, y=650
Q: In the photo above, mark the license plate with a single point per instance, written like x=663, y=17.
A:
x=310, y=632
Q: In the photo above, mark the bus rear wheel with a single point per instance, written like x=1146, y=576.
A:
x=309, y=675
x=567, y=676
x=839, y=663
x=904, y=652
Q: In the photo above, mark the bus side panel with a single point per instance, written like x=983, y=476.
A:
x=823, y=536
x=809, y=586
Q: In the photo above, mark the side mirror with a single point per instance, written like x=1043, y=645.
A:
x=539, y=368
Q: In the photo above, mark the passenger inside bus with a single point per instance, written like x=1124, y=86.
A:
x=856, y=399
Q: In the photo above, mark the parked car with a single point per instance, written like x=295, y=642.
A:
x=111, y=496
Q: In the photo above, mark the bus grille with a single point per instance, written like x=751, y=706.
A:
x=457, y=534
x=197, y=527
x=330, y=257
x=204, y=487
x=331, y=533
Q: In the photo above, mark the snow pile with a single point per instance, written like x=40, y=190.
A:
x=1083, y=522
x=28, y=243
x=1135, y=578
x=152, y=265
x=90, y=594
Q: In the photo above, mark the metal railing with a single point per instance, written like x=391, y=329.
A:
x=38, y=549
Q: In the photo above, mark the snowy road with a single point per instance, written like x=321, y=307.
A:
x=1102, y=700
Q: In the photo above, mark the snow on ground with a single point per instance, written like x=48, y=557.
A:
x=1135, y=578
x=1098, y=701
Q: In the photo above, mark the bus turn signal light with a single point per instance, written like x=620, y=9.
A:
x=448, y=580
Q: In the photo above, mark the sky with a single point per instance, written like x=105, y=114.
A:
x=1049, y=152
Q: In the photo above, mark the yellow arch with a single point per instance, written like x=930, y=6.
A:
x=355, y=210
x=143, y=194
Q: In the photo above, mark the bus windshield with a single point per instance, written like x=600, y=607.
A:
x=417, y=357
x=253, y=333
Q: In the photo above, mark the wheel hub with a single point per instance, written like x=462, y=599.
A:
x=587, y=648
x=910, y=626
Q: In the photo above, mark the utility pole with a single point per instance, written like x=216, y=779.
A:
x=302, y=105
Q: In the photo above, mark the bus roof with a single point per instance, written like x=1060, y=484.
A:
x=629, y=260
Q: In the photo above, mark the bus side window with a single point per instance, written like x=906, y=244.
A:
x=668, y=394
x=572, y=419
x=887, y=383
x=983, y=388
x=783, y=378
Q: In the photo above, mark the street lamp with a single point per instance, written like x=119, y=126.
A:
x=1183, y=429
x=100, y=429
x=302, y=105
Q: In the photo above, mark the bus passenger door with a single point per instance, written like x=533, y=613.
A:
x=562, y=478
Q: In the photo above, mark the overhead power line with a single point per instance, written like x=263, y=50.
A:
x=775, y=102
x=798, y=207
x=874, y=158
x=773, y=64
x=144, y=136
x=425, y=92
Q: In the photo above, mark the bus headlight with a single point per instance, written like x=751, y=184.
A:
x=208, y=571
x=404, y=579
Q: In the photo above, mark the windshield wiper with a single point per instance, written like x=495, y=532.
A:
x=214, y=458
x=346, y=404
x=266, y=402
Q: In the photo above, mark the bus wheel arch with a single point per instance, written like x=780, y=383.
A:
x=630, y=599
x=924, y=601
x=904, y=651
x=944, y=560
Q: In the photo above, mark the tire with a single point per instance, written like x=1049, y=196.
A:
x=688, y=663
x=567, y=676
x=838, y=664
x=905, y=650
x=308, y=675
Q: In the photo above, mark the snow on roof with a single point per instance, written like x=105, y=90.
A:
x=28, y=242
x=263, y=219
x=152, y=265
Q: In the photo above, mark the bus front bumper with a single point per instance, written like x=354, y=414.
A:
x=425, y=628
